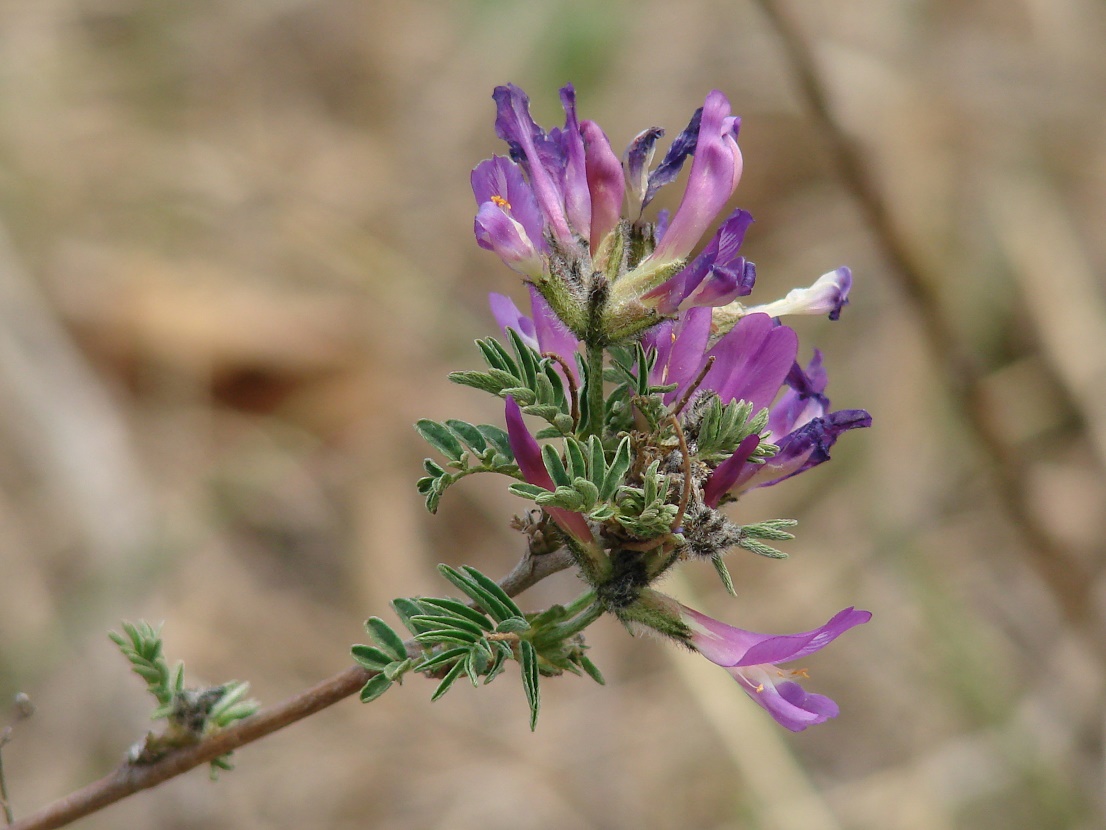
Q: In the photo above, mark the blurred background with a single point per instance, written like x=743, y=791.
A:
x=236, y=264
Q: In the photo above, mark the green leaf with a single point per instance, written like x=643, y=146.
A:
x=458, y=609
x=447, y=681
x=492, y=587
x=439, y=437
x=620, y=465
x=370, y=658
x=441, y=658
x=481, y=596
x=233, y=693
x=240, y=710
x=574, y=452
x=376, y=686
x=772, y=529
x=386, y=638
x=527, y=491
x=498, y=438
x=529, y=663
x=591, y=669
x=723, y=574
x=396, y=670
x=451, y=622
x=436, y=470
x=597, y=460
x=554, y=466
x=761, y=549
x=588, y=491
x=513, y=625
x=499, y=662
x=469, y=434
x=405, y=609
x=477, y=380
x=148, y=673
x=447, y=635
x=527, y=359
x=496, y=356
x=475, y=663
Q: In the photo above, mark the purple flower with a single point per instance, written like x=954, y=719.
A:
x=805, y=447
x=681, y=345
x=827, y=295
x=548, y=166
x=803, y=400
x=716, y=277
x=527, y=454
x=606, y=182
x=549, y=208
x=508, y=221
x=752, y=659
x=750, y=361
x=715, y=172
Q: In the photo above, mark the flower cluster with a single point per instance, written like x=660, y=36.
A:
x=666, y=397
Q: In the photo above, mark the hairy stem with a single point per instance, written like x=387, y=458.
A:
x=597, y=402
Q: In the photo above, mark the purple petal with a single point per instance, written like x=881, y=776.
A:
x=722, y=644
x=723, y=284
x=575, y=176
x=605, y=182
x=534, y=150
x=673, y=162
x=715, y=171
x=725, y=475
x=636, y=160
x=752, y=360
x=508, y=316
x=787, y=647
x=732, y=647
x=803, y=401
x=527, y=454
x=500, y=177
x=660, y=338
x=787, y=702
x=806, y=447
x=827, y=295
x=525, y=447
x=553, y=337
x=717, y=276
x=685, y=357
x=496, y=231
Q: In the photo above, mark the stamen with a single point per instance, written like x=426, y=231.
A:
x=501, y=202
x=759, y=688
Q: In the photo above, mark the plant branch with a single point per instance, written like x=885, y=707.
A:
x=129, y=779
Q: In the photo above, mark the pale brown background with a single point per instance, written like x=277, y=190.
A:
x=236, y=263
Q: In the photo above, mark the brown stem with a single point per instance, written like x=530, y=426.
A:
x=694, y=385
x=1064, y=573
x=129, y=779
x=573, y=391
x=685, y=494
